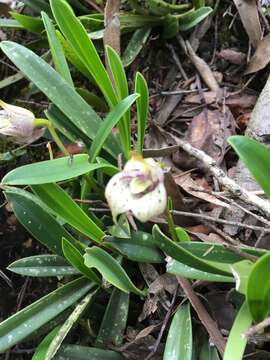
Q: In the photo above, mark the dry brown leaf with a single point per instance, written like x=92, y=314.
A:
x=233, y=56
x=193, y=188
x=249, y=15
x=204, y=70
x=242, y=101
x=261, y=58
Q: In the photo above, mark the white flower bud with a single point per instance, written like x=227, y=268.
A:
x=18, y=123
x=139, y=188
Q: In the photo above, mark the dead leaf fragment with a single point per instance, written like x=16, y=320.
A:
x=249, y=15
x=193, y=188
x=261, y=58
x=233, y=56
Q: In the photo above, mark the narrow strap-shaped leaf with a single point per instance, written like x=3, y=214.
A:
x=236, y=342
x=78, y=38
x=58, y=56
x=111, y=120
x=135, y=45
x=65, y=207
x=110, y=269
x=183, y=270
x=66, y=327
x=179, y=340
x=51, y=171
x=75, y=258
x=42, y=348
x=121, y=87
x=256, y=157
x=26, y=321
x=258, y=289
x=178, y=253
x=142, y=108
x=76, y=352
x=114, y=321
x=42, y=265
x=35, y=217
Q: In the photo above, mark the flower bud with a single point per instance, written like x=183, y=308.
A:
x=19, y=123
x=139, y=188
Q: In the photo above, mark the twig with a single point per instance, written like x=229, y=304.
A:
x=220, y=221
x=163, y=327
x=203, y=315
x=233, y=203
x=177, y=61
x=232, y=244
x=257, y=328
x=224, y=180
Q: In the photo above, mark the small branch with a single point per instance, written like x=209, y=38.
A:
x=220, y=221
x=253, y=330
x=224, y=180
x=203, y=315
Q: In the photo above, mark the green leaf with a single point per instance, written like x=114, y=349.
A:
x=10, y=23
x=79, y=40
x=135, y=45
x=142, y=108
x=140, y=247
x=179, y=340
x=114, y=321
x=42, y=266
x=217, y=252
x=76, y=352
x=58, y=56
x=58, y=91
x=41, y=350
x=180, y=254
x=182, y=235
x=51, y=171
x=67, y=326
x=66, y=208
x=29, y=23
x=256, y=157
x=121, y=87
x=35, y=217
x=236, y=343
x=75, y=258
x=241, y=271
x=258, y=289
x=193, y=18
x=180, y=269
x=110, y=269
x=22, y=324
x=170, y=27
x=109, y=123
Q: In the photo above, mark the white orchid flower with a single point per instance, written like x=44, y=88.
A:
x=18, y=123
x=139, y=188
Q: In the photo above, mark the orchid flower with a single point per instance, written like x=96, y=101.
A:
x=19, y=123
x=139, y=188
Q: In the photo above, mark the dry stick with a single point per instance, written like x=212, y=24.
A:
x=203, y=315
x=232, y=245
x=203, y=69
x=257, y=328
x=163, y=327
x=224, y=180
x=220, y=221
x=234, y=203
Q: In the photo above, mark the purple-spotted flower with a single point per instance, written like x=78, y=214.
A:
x=18, y=123
x=139, y=188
